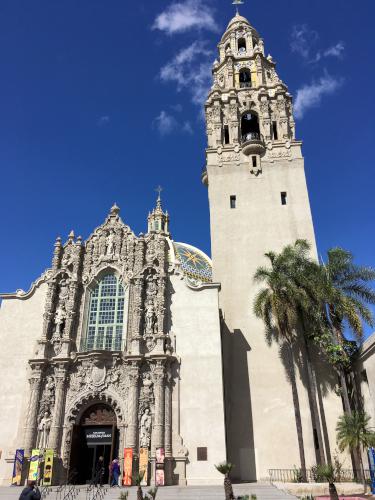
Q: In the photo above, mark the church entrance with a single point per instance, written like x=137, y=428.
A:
x=95, y=436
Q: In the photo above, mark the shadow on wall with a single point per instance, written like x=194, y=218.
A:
x=238, y=410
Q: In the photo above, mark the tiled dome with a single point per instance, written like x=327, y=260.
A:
x=195, y=264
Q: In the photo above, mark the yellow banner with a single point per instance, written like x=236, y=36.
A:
x=48, y=466
x=34, y=465
x=143, y=465
x=128, y=466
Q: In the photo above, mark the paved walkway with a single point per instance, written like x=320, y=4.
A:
x=263, y=491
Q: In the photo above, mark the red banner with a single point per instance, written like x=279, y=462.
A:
x=128, y=466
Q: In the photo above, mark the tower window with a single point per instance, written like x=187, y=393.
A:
x=250, y=127
x=226, y=134
x=283, y=197
x=241, y=45
x=274, y=131
x=245, y=78
x=254, y=160
x=233, y=201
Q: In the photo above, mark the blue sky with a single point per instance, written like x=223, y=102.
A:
x=101, y=102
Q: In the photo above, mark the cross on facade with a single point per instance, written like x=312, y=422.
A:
x=159, y=189
x=237, y=3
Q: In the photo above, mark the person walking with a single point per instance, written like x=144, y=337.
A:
x=31, y=492
x=114, y=470
x=99, y=472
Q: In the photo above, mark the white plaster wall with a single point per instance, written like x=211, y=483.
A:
x=240, y=237
x=195, y=323
x=367, y=362
x=21, y=323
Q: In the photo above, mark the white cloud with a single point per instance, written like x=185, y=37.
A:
x=190, y=69
x=166, y=124
x=335, y=51
x=310, y=95
x=303, y=39
x=184, y=16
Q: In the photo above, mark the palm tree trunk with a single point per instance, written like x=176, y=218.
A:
x=333, y=491
x=297, y=411
x=362, y=471
x=312, y=391
x=344, y=392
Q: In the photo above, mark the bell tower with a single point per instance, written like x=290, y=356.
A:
x=258, y=202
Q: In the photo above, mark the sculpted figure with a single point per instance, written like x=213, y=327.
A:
x=145, y=433
x=60, y=316
x=44, y=429
x=146, y=389
x=150, y=317
x=110, y=244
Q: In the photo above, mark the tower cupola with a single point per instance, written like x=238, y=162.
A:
x=248, y=109
x=158, y=220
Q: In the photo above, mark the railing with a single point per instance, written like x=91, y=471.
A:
x=251, y=136
x=65, y=490
x=311, y=476
x=45, y=491
x=71, y=492
x=95, y=492
x=245, y=85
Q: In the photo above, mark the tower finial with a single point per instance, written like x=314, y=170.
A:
x=237, y=3
x=159, y=189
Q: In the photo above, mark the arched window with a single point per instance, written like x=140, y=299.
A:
x=241, y=45
x=105, y=320
x=249, y=127
x=245, y=78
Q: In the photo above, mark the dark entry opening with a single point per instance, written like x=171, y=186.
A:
x=95, y=436
x=249, y=127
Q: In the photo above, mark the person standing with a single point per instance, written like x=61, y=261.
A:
x=115, y=472
x=31, y=492
x=99, y=472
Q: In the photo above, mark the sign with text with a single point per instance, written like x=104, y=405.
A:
x=159, y=467
x=48, y=466
x=98, y=435
x=128, y=466
x=34, y=465
x=17, y=467
x=143, y=465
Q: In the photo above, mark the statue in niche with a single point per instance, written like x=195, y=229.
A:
x=145, y=432
x=50, y=388
x=44, y=429
x=66, y=260
x=60, y=316
x=151, y=286
x=146, y=389
x=150, y=317
x=64, y=291
x=110, y=244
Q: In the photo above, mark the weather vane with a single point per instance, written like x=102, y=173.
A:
x=237, y=3
x=159, y=189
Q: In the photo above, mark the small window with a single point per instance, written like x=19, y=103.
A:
x=274, y=130
x=202, y=453
x=254, y=160
x=233, y=201
x=283, y=198
x=226, y=134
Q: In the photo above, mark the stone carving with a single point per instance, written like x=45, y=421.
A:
x=145, y=429
x=44, y=428
x=110, y=244
x=150, y=318
x=47, y=400
x=60, y=316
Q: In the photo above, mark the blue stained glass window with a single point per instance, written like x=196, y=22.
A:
x=105, y=322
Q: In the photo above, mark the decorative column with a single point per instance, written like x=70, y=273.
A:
x=137, y=310
x=159, y=377
x=168, y=428
x=31, y=423
x=58, y=411
x=132, y=433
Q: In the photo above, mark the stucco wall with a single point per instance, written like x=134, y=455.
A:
x=195, y=324
x=21, y=322
x=261, y=423
x=366, y=376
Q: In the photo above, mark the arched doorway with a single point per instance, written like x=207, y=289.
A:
x=95, y=435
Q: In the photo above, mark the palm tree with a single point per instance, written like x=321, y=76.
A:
x=281, y=305
x=225, y=469
x=345, y=291
x=354, y=434
x=327, y=471
x=137, y=479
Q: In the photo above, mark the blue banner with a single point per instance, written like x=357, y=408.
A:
x=371, y=461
